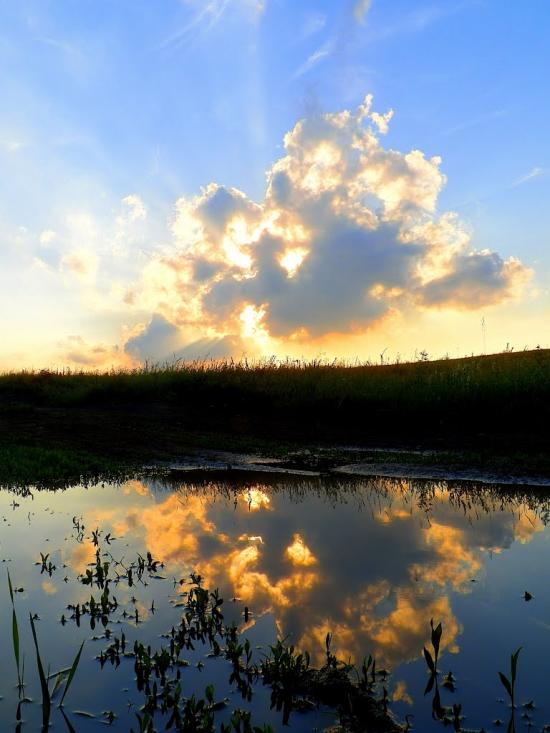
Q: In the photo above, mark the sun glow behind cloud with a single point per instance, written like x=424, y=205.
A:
x=346, y=248
x=347, y=237
x=109, y=131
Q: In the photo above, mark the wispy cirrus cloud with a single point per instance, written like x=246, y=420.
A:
x=418, y=19
x=207, y=16
x=535, y=172
x=314, y=23
x=476, y=121
x=314, y=59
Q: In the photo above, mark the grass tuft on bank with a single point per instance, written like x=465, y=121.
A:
x=28, y=465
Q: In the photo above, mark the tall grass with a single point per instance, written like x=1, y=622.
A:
x=503, y=392
x=44, y=677
x=290, y=380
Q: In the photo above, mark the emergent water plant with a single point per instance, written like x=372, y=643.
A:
x=44, y=677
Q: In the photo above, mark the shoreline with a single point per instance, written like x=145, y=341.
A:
x=224, y=461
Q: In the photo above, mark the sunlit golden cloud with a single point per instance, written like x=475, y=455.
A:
x=345, y=255
x=348, y=235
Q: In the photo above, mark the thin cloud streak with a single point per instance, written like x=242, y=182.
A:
x=476, y=121
x=313, y=25
x=203, y=21
x=206, y=19
x=535, y=172
x=316, y=57
x=417, y=20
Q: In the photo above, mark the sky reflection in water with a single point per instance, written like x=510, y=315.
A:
x=369, y=560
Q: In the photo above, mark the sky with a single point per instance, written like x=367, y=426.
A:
x=304, y=178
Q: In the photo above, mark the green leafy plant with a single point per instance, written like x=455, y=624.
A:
x=15, y=641
x=431, y=661
x=72, y=673
x=48, y=696
x=509, y=683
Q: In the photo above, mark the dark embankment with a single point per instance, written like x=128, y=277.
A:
x=487, y=403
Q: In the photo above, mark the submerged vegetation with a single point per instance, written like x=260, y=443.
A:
x=295, y=684
x=357, y=695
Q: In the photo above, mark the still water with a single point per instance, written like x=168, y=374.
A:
x=370, y=560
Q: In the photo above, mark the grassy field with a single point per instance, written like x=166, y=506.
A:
x=497, y=403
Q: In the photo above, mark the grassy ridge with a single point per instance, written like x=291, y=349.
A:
x=416, y=384
x=485, y=400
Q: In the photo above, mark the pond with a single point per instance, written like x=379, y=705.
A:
x=369, y=560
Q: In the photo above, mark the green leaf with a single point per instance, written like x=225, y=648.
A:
x=46, y=701
x=10, y=586
x=15, y=640
x=429, y=660
x=506, y=682
x=429, y=686
x=436, y=638
x=438, y=712
x=58, y=682
x=209, y=693
x=71, y=674
x=514, y=664
x=68, y=723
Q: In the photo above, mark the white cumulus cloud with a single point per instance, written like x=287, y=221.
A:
x=348, y=234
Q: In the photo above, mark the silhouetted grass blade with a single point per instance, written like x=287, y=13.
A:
x=15, y=635
x=68, y=723
x=71, y=673
x=15, y=638
x=46, y=700
x=10, y=587
x=506, y=683
x=429, y=660
x=514, y=664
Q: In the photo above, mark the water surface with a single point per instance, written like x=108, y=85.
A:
x=370, y=560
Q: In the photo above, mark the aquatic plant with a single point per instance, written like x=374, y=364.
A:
x=47, y=696
x=288, y=672
x=431, y=661
x=509, y=683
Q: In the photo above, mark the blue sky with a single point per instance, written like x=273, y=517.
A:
x=102, y=100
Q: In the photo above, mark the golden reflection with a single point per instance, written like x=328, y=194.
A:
x=255, y=587
x=173, y=528
x=136, y=487
x=299, y=553
x=456, y=563
x=81, y=556
x=256, y=498
x=403, y=632
x=373, y=573
x=49, y=587
x=400, y=693
x=527, y=524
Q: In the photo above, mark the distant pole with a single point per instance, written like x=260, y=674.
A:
x=484, y=334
